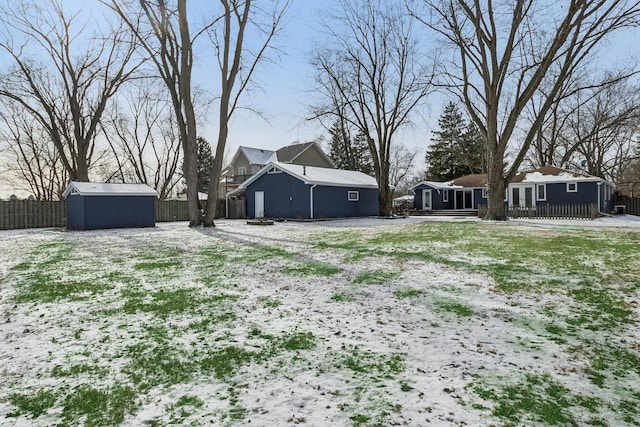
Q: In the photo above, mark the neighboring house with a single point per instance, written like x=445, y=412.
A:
x=464, y=193
x=94, y=206
x=546, y=185
x=281, y=190
x=556, y=186
x=248, y=161
x=306, y=153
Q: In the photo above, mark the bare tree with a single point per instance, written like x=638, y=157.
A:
x=32, y=162
x=593, y=130
x=62, y=74
x=504, y=51
x=372, y=72
x=142, y=135
x=237, y=68
x=401, y=165
x=165, y=35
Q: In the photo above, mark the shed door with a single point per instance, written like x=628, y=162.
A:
x=426, y=200
x=259, y=195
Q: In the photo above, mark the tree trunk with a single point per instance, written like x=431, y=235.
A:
x=216, y=171
x=384, y=193
x=496, y=186
x=191, y=145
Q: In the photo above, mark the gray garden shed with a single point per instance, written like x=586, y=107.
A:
x=94, y=206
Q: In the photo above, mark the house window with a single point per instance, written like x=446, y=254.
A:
x=242, y=170
x=274, y=170
x=541, y=192
x=353, y=196
x=484, y=193
x=445, y=195
x=572, y=187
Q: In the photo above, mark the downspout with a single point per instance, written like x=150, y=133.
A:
x=599, y=197
x=311, y=199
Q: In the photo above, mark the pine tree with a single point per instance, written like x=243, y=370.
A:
x=350, y=153
x=457, y=148
x=205, y=161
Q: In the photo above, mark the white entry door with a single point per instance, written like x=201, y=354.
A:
x=426, y=200
x=259, y=204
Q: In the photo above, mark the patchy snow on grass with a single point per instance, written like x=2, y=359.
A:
x=370, y=321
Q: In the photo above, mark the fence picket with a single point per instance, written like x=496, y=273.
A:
x=581, y=211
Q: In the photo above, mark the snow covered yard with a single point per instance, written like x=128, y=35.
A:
x=356, y=322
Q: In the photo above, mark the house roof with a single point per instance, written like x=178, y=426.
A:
x=475, y=180
x=104, y=189
x=544, y=174
x=318, y=176
x=291, y=152
x=435, y=184
x=552, y=174
x=255, y=156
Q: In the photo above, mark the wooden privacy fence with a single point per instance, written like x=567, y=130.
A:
x=171, y=210
x=577, y=211
x=18, y=214
x=631, y=204
x=15, y=214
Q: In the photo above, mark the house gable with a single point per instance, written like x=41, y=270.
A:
x=308, y=154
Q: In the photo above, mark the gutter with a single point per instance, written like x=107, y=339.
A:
x=311, y=199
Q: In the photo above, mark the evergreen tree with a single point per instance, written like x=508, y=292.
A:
x=457, y=148
x=350, y=153
x=471, y=152
x=205, y=161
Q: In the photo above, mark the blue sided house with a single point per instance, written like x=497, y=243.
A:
x=546, y=185
x=94, y=206
x=462, y=194
x=282, y=190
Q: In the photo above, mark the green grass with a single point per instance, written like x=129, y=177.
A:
x=407, y=293
x=451, y=306
x=375, y=277
x=164, y=320
x=368, y=362
x=311, y=269
x=270, y=302
x=342, y=297
x=536, y=398
x=33, y=404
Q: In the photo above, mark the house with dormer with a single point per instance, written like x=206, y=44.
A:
x=247, y=161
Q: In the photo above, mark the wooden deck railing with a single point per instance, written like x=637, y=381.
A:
x=577, y=211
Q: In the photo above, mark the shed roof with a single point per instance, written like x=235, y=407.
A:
x=104, y=189
x=318, y=176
